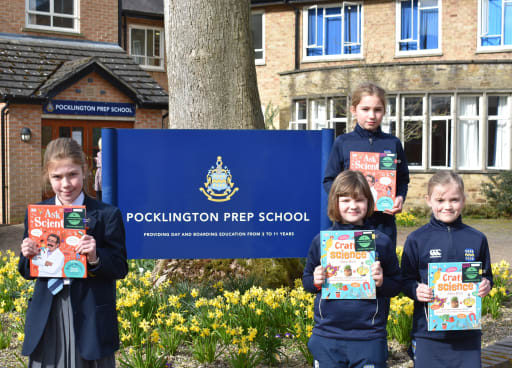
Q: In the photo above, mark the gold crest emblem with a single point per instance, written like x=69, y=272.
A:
x=219, y=183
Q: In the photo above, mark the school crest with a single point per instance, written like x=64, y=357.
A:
x=219, y=186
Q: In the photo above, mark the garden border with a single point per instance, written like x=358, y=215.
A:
x=498, y=355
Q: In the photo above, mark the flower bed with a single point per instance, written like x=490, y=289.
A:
x=245, y=326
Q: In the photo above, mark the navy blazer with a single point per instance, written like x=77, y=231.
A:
x=94, y=298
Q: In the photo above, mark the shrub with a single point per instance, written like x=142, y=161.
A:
x=498, y=192
x=406, y=219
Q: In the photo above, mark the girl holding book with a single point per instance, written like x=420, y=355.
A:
x=76, y=327
x=368, y=107
x=352, y=332
x=444, y=239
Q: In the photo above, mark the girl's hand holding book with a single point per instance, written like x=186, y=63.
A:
x=319, y=276
x=377, y=274
x=397, y=206
x=484, y=288
x=424, y=293
x=87, y=247
x=29, y=248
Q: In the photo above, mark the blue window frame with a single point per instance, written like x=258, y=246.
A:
x=496, y=23
x=419, y=25
x=333, y=30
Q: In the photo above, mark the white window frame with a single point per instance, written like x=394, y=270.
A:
x=319, y=122
x=260, y=61
x=391, y=119
x=298, y=124
x=404, y=119
x=52, y=14
x=342, y=56
x=480, y=117
x=424, y=52
x=448, y=150
x=507, y=118
x=483, y=28
x=162, y=46
x=333, y=120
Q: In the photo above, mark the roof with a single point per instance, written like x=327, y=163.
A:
x=155, y=7
x=37, y=68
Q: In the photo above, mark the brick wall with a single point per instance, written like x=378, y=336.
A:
x=279, y=52
x=98, y=20
x=24, y=159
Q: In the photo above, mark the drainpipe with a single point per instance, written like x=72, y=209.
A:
x=4, y=113
x=297, y=40
x=119, y=21
x=163, y=118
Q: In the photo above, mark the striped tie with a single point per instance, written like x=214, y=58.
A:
x=55, y=285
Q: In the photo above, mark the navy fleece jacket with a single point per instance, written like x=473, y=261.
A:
x=440, y=242
x=362, y=140
x=353, y=319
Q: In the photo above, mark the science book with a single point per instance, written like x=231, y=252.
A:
x=380, y=172
x=456, y=304
x=57, y=230
x=347, y=256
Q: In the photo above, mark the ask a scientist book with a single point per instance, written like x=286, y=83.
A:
x=456, y=304
x=347, y=256
x=380, y=172
x=57, y=230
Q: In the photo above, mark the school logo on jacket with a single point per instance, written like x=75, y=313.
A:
x=435, y=253
x=469, y=254
x=219, y=183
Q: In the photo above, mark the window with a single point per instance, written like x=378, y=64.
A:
x=495, y=23
x=440, y=131
x=146, y=47
x=498, y=132
x=389, y=122
x=299, y=115
x=338, y=115
x=52, y=14
x=419, y=26
x=332, y=31
x=320, y=113
x=412, y=129
x=258, y=37
x=468, y=133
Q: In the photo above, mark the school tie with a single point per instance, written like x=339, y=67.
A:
x=55, y=285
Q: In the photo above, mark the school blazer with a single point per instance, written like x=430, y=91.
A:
x=93, y=299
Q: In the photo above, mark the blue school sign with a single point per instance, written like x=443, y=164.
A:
x=217, y=193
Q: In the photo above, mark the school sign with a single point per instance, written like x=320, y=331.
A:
x=217, y=193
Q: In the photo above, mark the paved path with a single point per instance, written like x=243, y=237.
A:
x=498, y=232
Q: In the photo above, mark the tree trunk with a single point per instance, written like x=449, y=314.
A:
x=210, y=65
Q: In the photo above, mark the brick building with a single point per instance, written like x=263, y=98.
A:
x=64, y=72
x=446, y=65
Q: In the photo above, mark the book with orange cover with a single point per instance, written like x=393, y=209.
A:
x=57, y=230
x=380, y=171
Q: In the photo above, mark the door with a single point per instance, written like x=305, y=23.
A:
x=87, y=134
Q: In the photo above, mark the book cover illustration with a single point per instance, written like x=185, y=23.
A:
x=347, y=256
x=380, y=172
x=57, y=230
x=456, y=304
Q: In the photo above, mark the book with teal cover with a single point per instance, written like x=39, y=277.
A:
x=456, y=304
x=347, y=256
